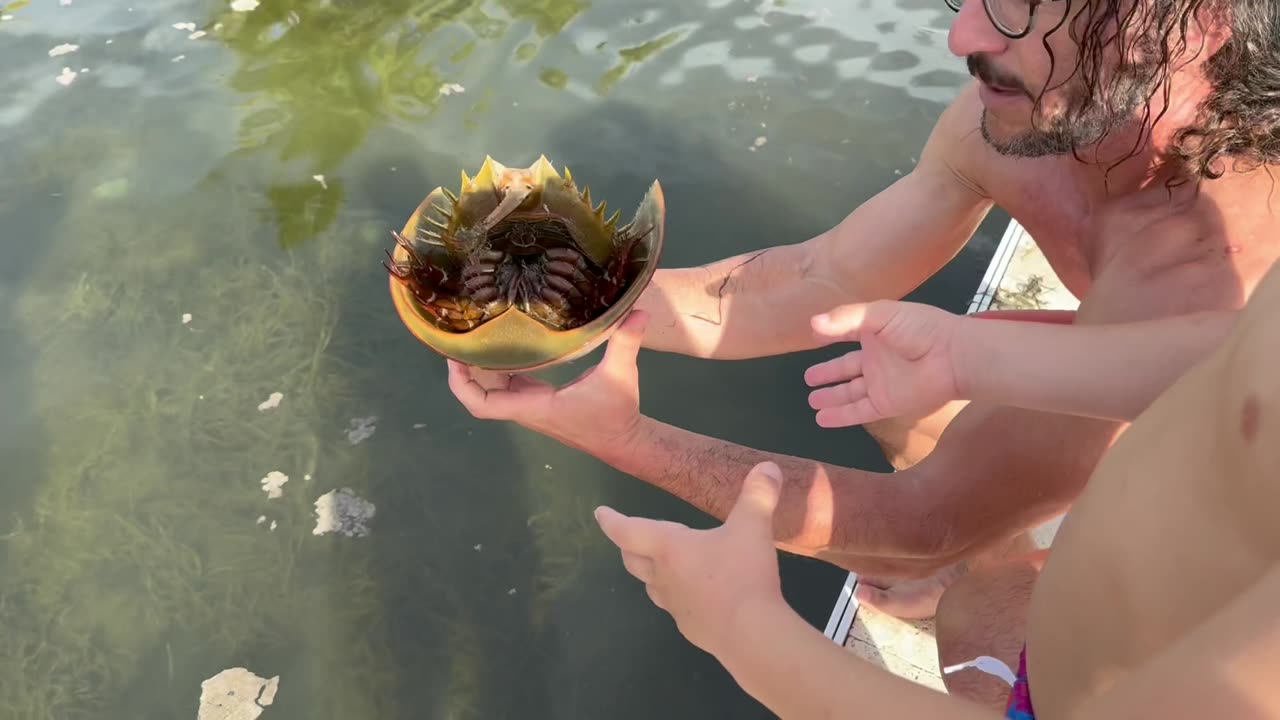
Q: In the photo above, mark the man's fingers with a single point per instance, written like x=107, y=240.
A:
x=859, y=412
x=468, y=392
x=525, y=383
x=759, y=496
x=624, y=345
x=489, y=379
x=495, y=403
x=837, y=395
x=845, y=367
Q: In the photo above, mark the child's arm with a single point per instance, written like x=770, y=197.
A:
x=797, y=672
x=915, y=358
x=1106, y=371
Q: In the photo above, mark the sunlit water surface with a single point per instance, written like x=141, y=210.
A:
x=193, y=210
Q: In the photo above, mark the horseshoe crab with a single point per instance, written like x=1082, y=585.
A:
x=519, y=271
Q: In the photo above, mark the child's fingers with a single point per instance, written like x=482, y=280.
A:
x=845, y=367
x=837, y=395
x=859, y=412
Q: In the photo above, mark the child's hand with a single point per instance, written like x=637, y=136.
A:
x=905, y=366
x=706, y=578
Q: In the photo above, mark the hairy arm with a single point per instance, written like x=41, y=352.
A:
x=863, y=521
x=885, y=248
x=1110, y=371
x=995, y=471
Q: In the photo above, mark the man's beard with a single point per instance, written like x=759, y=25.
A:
x=1084, y=119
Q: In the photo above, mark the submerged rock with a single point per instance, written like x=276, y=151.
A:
x=273, y=484
x=342, y=511
x=361, y=429
x=272, y=402
x=236, y=694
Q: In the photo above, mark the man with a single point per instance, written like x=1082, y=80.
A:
x=1159, y=599
x=1130, y=156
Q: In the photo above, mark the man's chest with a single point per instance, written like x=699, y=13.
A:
x=1132, y=243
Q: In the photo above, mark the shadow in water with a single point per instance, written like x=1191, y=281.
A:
x=456, y=552
x=22, y=435
x=150, y=557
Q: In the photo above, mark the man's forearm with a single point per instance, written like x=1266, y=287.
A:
x=758, y=304
x=859, y=520
x=797, y=672
x=999, y=470
x=725, y=309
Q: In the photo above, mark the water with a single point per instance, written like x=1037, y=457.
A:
x=191, y=224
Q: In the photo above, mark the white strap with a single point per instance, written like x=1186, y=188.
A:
x=988, y=665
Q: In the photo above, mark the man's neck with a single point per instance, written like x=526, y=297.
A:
x=1140, y=157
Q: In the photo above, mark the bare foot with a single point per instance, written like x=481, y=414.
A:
x=908, y=599
x=918, y=599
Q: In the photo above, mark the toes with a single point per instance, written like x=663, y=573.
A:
x=909, y=600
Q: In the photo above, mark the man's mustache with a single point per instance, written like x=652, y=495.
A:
x=980, y=66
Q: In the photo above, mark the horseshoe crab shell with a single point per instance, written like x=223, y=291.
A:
x=519, y=271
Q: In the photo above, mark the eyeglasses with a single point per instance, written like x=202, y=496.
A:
x=1013, y=18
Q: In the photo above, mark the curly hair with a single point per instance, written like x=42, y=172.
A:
x=1240, y=119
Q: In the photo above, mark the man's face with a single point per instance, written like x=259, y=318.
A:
x=1013, y=74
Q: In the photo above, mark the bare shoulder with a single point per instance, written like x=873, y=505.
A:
x=956, y=146
x=957, y=150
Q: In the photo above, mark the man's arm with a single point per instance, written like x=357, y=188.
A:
x=863, y=521
x=995, y=471
x=729, y=309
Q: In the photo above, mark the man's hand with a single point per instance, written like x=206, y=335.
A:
x=600, y=407
x=905, y=366
x=701, y=577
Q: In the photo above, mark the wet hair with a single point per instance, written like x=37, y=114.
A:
x=1239, y=121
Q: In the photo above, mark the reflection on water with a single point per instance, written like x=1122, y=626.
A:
x=196, y=343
